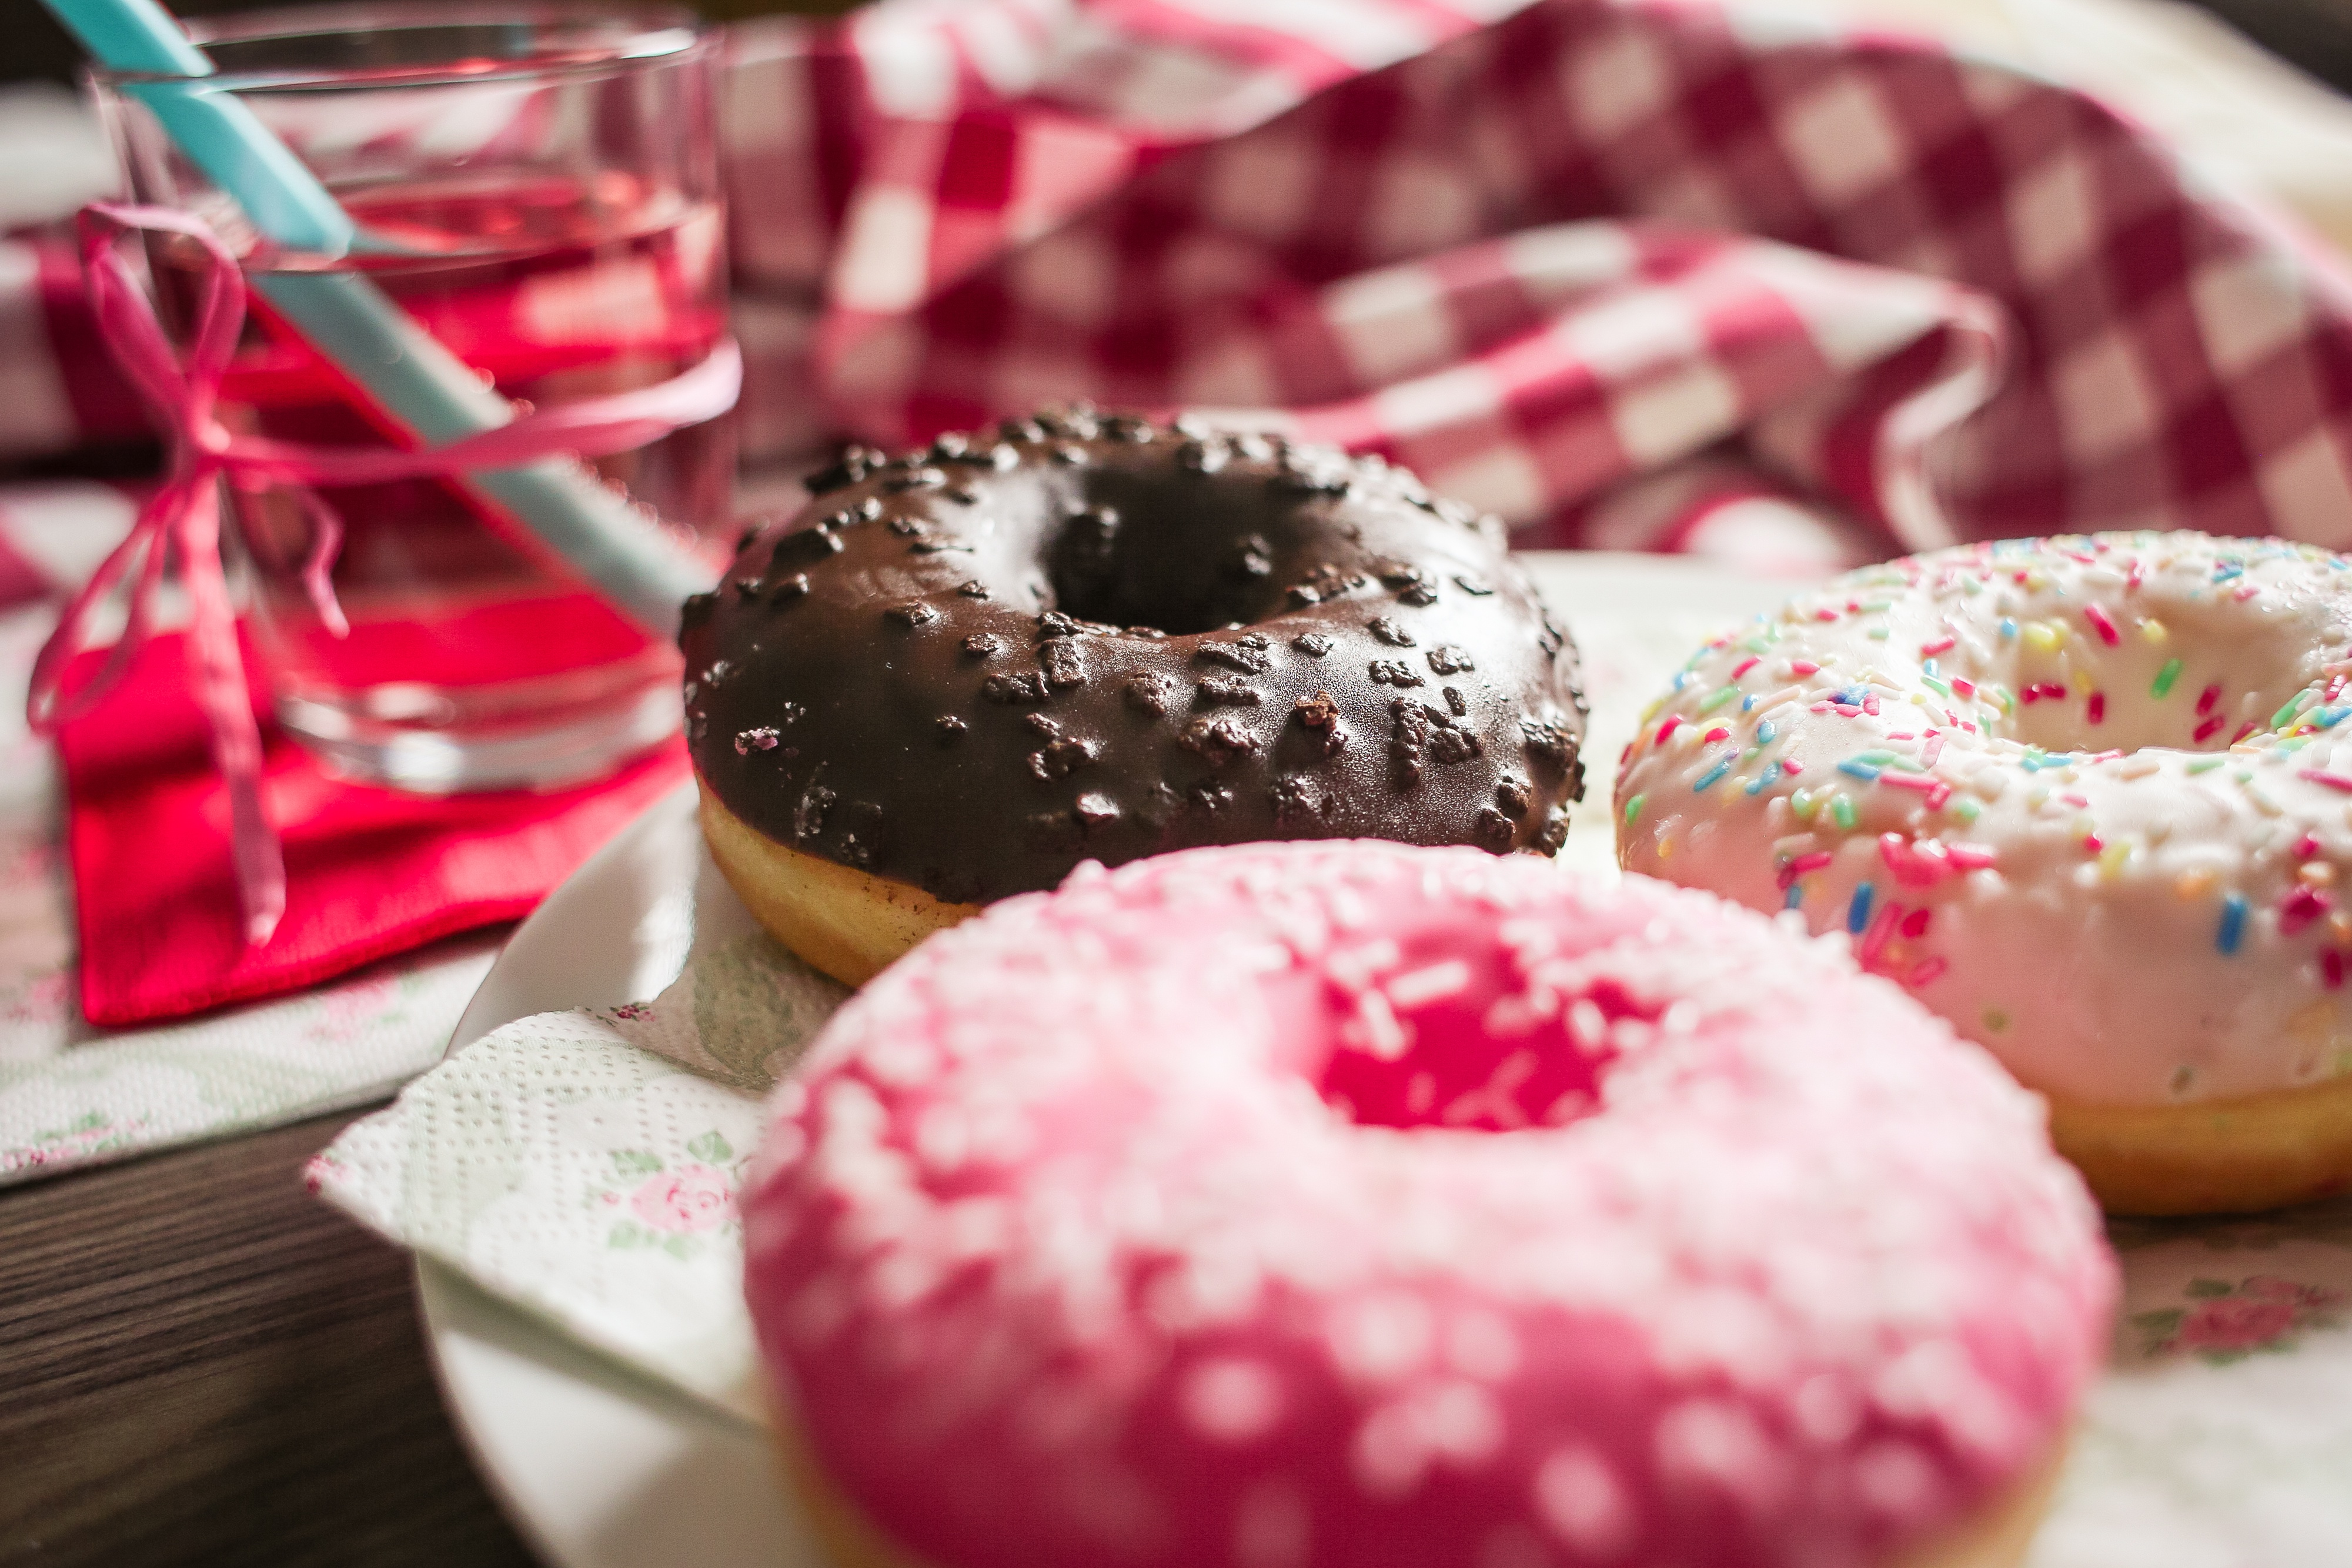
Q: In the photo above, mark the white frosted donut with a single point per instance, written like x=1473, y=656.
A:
x=2085, y=797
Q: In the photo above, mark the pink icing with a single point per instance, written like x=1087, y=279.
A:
x=1300, y=1206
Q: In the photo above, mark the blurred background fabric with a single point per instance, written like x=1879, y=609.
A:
x=942, y=206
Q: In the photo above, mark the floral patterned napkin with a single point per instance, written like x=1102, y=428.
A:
x=583, y=1164
x=583, y=1167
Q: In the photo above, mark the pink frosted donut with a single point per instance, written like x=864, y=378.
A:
x=1323, y=1205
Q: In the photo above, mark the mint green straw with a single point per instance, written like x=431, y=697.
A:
x=358, y=327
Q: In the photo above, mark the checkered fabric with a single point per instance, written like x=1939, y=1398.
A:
x=1636, y=273
x=58, y=390
x=1551, y=259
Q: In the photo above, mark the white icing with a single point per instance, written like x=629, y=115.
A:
x=2099, y=788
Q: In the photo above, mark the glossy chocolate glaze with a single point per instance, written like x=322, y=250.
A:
x=1082, y=637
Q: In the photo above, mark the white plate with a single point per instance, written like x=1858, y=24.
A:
x=603, y=1468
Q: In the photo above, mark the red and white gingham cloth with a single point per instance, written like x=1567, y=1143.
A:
x=1628, y=272
x=1546, y=255
x=58, y=388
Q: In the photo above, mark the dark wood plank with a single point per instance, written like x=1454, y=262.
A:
x=201, y=1363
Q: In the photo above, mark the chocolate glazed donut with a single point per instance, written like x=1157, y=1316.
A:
x=957, y=674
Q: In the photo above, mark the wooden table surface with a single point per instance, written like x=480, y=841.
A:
x=201, y=1363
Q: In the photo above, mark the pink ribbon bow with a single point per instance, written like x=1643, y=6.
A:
x=183, y=517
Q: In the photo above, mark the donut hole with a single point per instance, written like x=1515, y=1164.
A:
x=1447, y=1038
x=2103, y=712
x=2090, y=679
x=1184, y=557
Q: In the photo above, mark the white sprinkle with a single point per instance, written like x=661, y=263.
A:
x=1517, y=1013
x=1419, y=987
x=1827, y=1409
x=1717, y=1444
x=1460, y=1422
x=1355, y=969
x=1571, y=1104
x=1496, y=1099
x=1387, y=1458
x=1895, y=1480
x=1581, y=1502
x=1482, y=1344
x=1419, y=1093
x=1379, y=1338
x=1375, y=1030
x=1232, y=1399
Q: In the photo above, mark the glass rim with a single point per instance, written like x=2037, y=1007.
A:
x=645, y=33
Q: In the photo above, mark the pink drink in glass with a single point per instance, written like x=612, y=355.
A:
x=474, y=658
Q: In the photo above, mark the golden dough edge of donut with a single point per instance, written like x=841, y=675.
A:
x=2212, y=1157
x=850, y=924
x=1998, y=1536
x=1995, y=1537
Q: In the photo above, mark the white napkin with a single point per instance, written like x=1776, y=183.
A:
x=584, y=1165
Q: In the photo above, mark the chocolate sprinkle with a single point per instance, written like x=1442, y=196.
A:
x=1218, y=691
x=1147, y=694
x=1220, y=740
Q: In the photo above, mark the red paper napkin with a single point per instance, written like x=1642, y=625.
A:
x=370, y=873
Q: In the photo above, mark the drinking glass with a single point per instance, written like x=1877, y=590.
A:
x=539, y=187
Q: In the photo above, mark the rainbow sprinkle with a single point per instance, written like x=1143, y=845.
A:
x=1857, y=911
x=2233, y=924
x=2164, y=679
